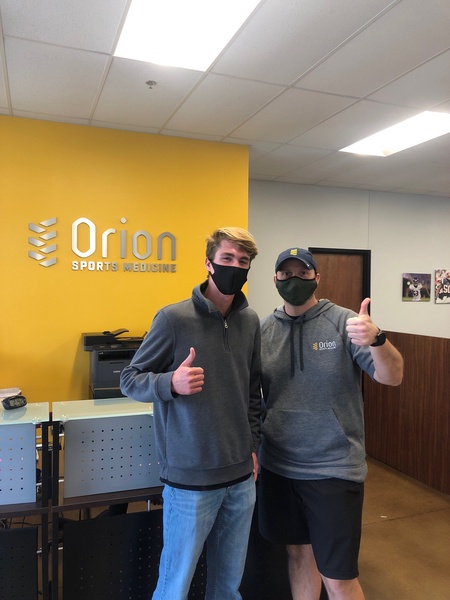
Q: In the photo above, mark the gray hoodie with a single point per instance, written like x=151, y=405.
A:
x=205, y=439
x=311, y=382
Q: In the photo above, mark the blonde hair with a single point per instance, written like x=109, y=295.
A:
x=241, y=237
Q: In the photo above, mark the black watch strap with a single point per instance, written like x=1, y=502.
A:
x=380, y=340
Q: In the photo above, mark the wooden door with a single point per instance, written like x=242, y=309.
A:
x=344, y=276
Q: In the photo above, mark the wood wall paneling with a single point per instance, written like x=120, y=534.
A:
x=408, y=427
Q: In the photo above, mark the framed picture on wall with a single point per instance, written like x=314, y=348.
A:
x=416, y=287
x=442, y=286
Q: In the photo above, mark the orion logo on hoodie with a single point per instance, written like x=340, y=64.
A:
x=326, y=345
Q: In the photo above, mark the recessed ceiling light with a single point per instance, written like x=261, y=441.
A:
x=181, y=33
x=416, y=130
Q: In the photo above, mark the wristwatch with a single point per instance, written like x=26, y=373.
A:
x=380, y=339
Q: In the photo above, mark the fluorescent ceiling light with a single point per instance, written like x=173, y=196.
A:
x=181, y=33
x=421, y=128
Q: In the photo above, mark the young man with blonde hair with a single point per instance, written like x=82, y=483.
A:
x=200, y=366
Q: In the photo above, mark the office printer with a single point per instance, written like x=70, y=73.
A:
x=110, y=352
x=108, y=339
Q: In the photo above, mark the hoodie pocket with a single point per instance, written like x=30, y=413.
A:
x=306, y=436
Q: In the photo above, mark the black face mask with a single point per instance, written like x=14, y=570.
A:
x=296, y=291
x=229, y=280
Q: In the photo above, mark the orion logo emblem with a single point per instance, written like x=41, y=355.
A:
x=326, y=345
x=42, y=237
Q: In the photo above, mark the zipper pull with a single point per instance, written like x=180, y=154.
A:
x=225, y=324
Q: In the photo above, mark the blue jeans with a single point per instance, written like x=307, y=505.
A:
x=222, y=519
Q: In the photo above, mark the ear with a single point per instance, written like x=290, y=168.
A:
x=318, y=278
x=208, y=265
x=275, y=279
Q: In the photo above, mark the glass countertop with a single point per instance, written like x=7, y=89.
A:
x=33, y=412
x=97, y=409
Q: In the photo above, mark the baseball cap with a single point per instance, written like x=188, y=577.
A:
x=300, y=253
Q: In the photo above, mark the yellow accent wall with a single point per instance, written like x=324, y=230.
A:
x=154, y=184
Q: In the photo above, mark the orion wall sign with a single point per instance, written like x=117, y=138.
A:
x=39, y=240
x=109, y=250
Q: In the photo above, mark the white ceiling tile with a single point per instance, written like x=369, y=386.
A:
x=256, y=149
x=325, y=167
x=219, y=104
x=398, y=170
x=291, y=113
x=53, y=80
x=365, y=171
x=424, y=87
x=380, y=53
x=281, y=41
x=445, y=106
x=90, y=25
x=127, y=99
x=353, y=124
x=285, y=159
x=433, y=151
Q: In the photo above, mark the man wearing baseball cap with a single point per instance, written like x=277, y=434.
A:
x=312, y=453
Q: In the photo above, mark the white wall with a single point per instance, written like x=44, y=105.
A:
x=405, y=233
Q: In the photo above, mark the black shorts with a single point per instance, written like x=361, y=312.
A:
x=326, y=513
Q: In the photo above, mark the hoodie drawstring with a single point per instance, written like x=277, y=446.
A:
x=291, y=342
x=300, y=345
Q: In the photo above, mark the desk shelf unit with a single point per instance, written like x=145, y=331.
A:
x=24, y=547
x=109, y=461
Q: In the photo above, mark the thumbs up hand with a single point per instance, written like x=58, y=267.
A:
x=187, y=380
x=364, y=309
x=361, y=330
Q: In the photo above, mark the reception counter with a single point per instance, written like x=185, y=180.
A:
x=104, y=536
